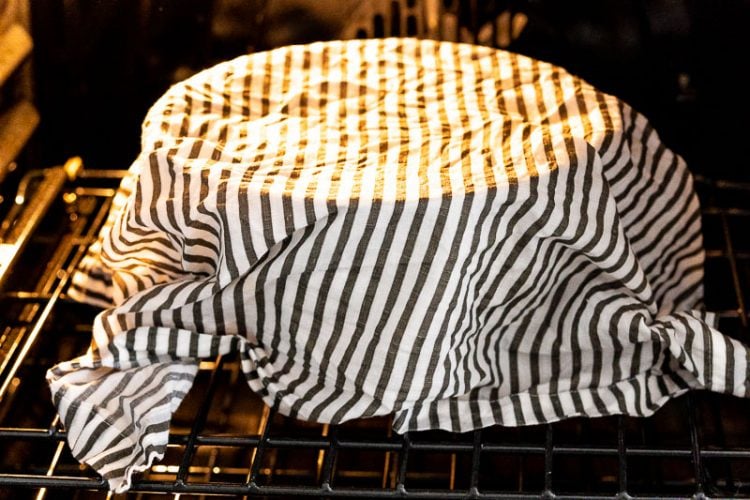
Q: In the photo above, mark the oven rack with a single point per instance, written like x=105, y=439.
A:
x=225, y=442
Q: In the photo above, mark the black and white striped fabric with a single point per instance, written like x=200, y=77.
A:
x=456, y=235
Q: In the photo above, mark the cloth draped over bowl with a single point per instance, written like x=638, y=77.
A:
x=456, y=235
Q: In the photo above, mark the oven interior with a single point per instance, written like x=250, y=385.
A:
x=224, y=441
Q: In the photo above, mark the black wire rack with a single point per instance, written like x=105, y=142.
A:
x=224, y=441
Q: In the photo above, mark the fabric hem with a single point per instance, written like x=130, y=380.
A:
x=122, y=482
x=491, y=411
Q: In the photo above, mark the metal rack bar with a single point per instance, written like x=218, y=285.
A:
x=731, y=257
x=549, y=452
x=475, y=457
x=634, y=451
x=25, y=216
x=260, y=449
x=403, y=458
x=200, y=422
x=698, y=470
x=329, y=456
x=622, y=459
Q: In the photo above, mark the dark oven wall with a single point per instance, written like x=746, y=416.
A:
x=99, y=65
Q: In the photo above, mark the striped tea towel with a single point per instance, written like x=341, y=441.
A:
x=456, y=235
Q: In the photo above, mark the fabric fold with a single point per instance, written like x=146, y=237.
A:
x=690, y=354
x=117, y=411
